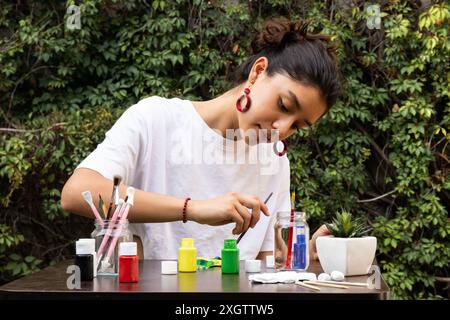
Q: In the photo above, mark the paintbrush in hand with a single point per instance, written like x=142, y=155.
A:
x=242, y=234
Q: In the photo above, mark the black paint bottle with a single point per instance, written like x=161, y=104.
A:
x=84, y=259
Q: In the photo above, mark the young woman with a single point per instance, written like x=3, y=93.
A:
x=193, y=163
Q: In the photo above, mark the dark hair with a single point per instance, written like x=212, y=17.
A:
x=306, y=57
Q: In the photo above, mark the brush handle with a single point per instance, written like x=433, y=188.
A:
x=96, y=214
x=113, y=243
x=243, y=233
x=109, y=210
x=113, y=200
x=109, y=231
x=290, y=236
x=329, y=285
x=240, y=237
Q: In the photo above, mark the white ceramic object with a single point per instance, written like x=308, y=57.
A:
x=337, y=276
x=351, y=256
x=324, y=277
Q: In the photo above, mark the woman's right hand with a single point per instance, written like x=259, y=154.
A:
x=228, y=208
x=322, y=231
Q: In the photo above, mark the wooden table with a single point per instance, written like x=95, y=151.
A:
x=51, y=283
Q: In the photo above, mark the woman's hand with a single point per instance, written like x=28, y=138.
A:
x=228, y=208
x=322, y=231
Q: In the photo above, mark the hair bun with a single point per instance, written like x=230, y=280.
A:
x=278, y=32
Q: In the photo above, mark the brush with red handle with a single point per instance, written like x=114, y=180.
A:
x=291, y=233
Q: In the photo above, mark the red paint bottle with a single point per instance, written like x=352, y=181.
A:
x=128, y=262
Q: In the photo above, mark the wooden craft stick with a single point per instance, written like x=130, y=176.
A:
x=320, y=284
x=301, y=284
x=356, y=284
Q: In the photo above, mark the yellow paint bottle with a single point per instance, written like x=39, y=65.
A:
x=187, y=256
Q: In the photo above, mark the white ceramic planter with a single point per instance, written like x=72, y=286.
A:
x=351, y=256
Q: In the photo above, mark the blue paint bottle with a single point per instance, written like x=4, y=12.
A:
x=301, y=245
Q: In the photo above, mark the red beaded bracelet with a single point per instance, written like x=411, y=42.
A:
x=184, y=209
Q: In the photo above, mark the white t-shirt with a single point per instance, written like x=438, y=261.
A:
x=164, y=146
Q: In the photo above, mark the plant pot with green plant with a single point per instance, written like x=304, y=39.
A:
x=347, y=249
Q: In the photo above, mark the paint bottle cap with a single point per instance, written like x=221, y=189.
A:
x=229, y=244
x=169, y=267
x=187, y=242
x=83, y=247
x=91, y=243
x=128, y=249
x=252, y=265
x=270, y=262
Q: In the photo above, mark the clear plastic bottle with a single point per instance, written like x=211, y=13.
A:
x=109, y=230
x=291, y=241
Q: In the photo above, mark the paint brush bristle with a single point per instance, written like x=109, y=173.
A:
x=102, y=207
x=117, y=180
x=115, y=195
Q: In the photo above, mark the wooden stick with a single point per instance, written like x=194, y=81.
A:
x=302, y=284
x=356, y=284
x=320, y=284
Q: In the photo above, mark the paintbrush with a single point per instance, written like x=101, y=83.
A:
x=109, y=232
x=114, y=195
x=101, y=206
x=242, y=234
x=291, y=233
x=106, y=262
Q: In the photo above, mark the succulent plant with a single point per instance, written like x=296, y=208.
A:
x=345, y=226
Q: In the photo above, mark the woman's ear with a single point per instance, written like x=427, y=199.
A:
x=259, y=67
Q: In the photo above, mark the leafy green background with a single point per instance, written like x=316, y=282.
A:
x=386, y=138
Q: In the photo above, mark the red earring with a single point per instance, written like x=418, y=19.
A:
x=285, y=148
x=248, y=103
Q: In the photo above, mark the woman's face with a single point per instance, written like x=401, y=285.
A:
x=280, y=103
